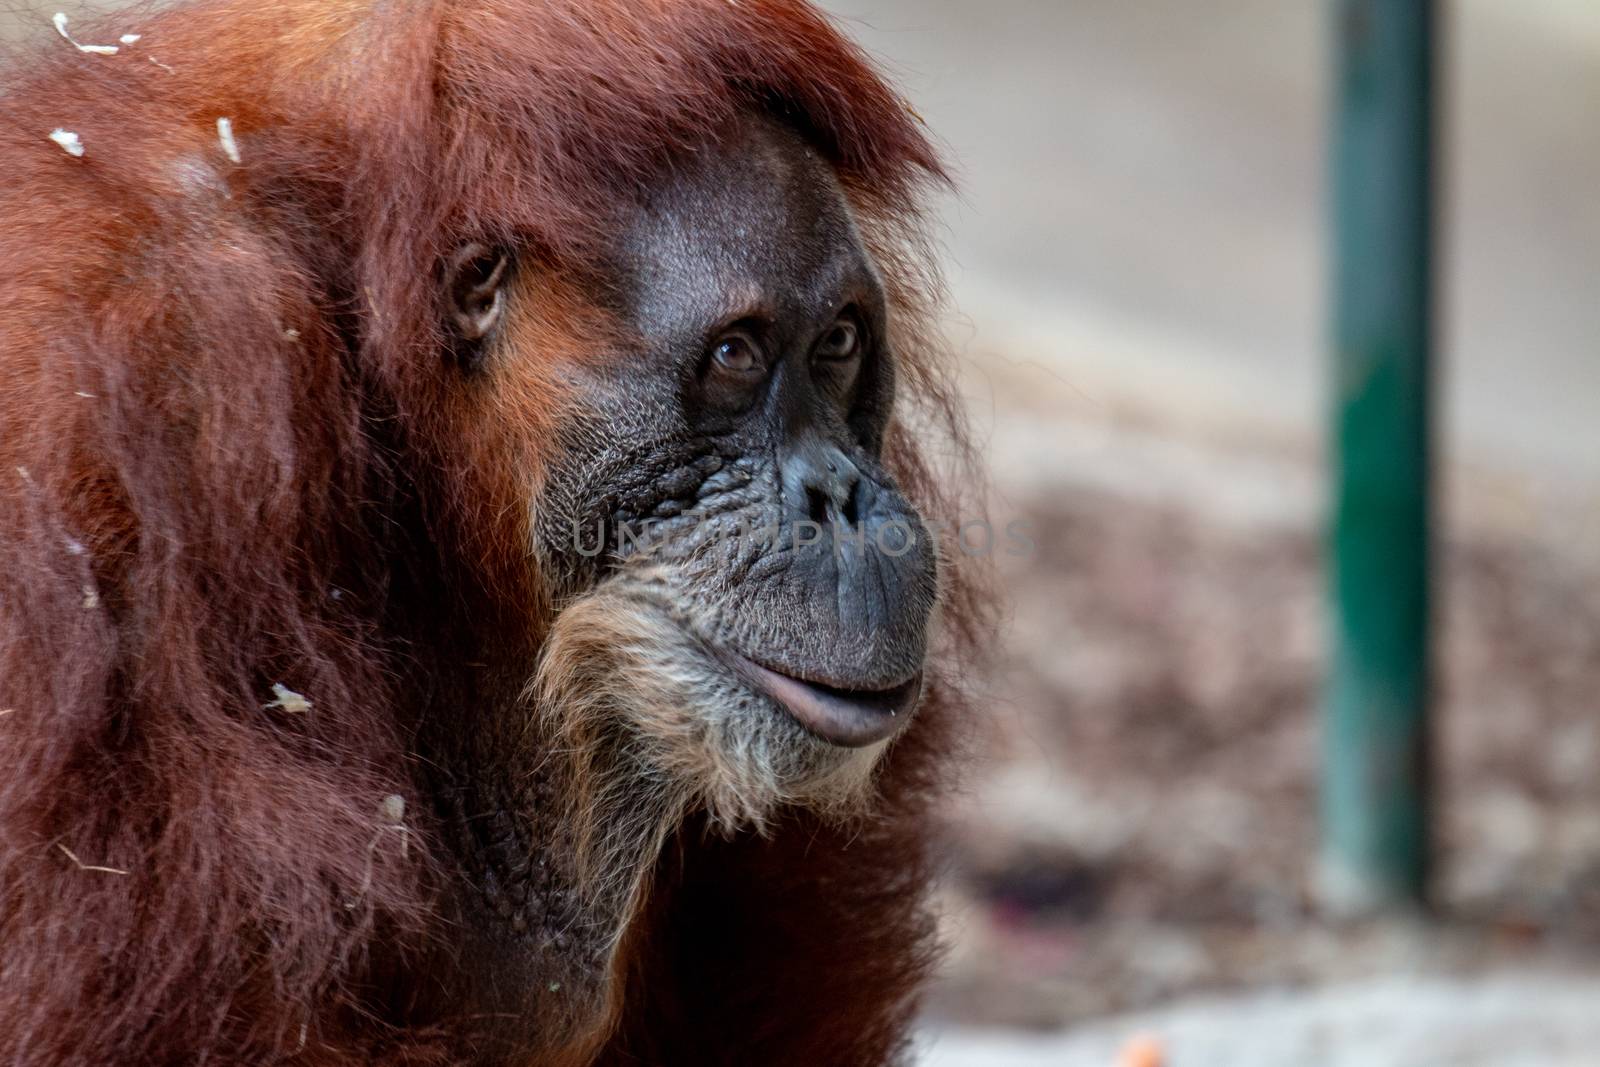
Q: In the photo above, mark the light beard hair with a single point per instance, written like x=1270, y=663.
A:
x=648, y=731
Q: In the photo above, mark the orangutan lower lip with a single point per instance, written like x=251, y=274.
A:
x=851, y=718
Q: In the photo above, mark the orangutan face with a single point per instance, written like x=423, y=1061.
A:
x=719, y=528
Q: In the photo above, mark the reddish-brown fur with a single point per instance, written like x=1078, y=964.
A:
x=232, y=455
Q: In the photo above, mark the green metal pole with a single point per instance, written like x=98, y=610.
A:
x=1376, y=846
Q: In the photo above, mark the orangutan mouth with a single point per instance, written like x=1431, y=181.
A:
x=850, y=718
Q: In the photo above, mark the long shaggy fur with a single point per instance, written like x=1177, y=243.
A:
x=234, y=465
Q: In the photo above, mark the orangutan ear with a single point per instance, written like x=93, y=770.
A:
x=475, y=301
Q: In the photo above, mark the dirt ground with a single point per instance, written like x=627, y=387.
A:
x=1142, y=827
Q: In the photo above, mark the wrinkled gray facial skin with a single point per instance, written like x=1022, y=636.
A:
x=757, y=470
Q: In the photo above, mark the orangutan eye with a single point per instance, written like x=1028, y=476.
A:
x=842, y=341
x=736, y=353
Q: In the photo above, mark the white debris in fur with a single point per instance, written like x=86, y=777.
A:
x=230, y=147
x=60, y=21
x=393, y=810
x=70, y=142
x=288, y=700
x=75, y=547
x=130, y=38
x=91, y=599
x=82, y=866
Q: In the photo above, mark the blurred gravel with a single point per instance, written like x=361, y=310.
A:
x=1143, y=827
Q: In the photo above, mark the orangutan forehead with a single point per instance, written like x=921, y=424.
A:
x=755, y=222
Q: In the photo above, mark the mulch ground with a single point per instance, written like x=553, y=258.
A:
x=1143, y=825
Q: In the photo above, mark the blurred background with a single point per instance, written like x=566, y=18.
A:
x=1139, y=259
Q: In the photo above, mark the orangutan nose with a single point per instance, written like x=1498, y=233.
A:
x=821, y=484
